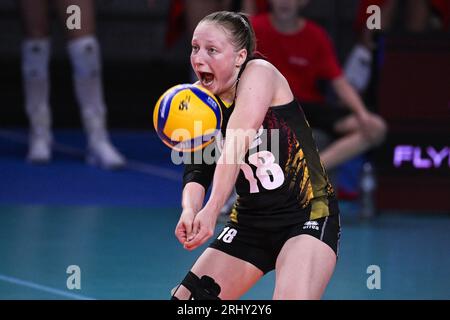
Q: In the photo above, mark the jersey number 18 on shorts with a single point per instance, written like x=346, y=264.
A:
x=227, y=234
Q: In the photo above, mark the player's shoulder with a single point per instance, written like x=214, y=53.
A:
x=259, y=63
x=260, y=67
x=268, y=78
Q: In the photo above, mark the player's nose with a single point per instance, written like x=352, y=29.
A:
x=198, y=59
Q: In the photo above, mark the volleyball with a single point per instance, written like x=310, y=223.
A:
x=187, y=117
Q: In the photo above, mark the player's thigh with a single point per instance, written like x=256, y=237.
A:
x=233, y=275
x=35, y=15
x=87, y=17
x=303, y=268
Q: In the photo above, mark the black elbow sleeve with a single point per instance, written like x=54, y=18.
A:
x=200, y=173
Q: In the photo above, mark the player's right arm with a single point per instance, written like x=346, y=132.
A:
x=196, y=180
x=191, y=202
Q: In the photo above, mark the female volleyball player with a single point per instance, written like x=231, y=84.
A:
x=286, y=217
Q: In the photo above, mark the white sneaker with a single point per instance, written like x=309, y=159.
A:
x=105, y=155
x=39, y=150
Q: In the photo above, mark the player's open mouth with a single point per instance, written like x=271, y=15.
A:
x=206, y=78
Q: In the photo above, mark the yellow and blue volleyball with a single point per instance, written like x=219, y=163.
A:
x=187, y=117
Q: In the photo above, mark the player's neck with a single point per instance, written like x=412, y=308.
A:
x=229, y=96
x=290, y=26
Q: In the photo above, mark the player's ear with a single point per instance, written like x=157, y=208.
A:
x=241, y=57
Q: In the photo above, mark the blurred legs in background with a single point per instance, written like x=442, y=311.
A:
x=84, y=53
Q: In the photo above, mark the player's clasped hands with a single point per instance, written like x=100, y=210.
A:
x=193, y=230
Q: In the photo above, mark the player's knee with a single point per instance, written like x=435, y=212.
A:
x=85, y=56
x=204, y=288
x=35, y=56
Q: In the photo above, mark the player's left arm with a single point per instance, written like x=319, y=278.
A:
x=254, y=96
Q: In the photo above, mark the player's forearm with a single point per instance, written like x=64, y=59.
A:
x=224, y=180
x=227, y=168
x=193, y=196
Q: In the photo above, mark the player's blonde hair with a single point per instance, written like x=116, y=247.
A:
x=239, y=27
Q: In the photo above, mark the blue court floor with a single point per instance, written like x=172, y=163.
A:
x=117, y=227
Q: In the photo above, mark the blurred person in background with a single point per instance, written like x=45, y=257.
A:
x=84, y=53
x=415, y=17
x=303, y=52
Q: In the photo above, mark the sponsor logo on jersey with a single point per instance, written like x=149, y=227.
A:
x=311, y=225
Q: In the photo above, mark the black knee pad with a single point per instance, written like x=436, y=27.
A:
x=204, y=288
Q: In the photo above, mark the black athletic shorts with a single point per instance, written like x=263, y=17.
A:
x=324, y=117
x=261, y=247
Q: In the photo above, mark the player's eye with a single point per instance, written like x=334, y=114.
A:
x=194, y=48
x=212, y=50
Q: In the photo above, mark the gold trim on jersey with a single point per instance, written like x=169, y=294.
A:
x=319, y=208
x=298, y=163
x=234, y=214
x=227, y=104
